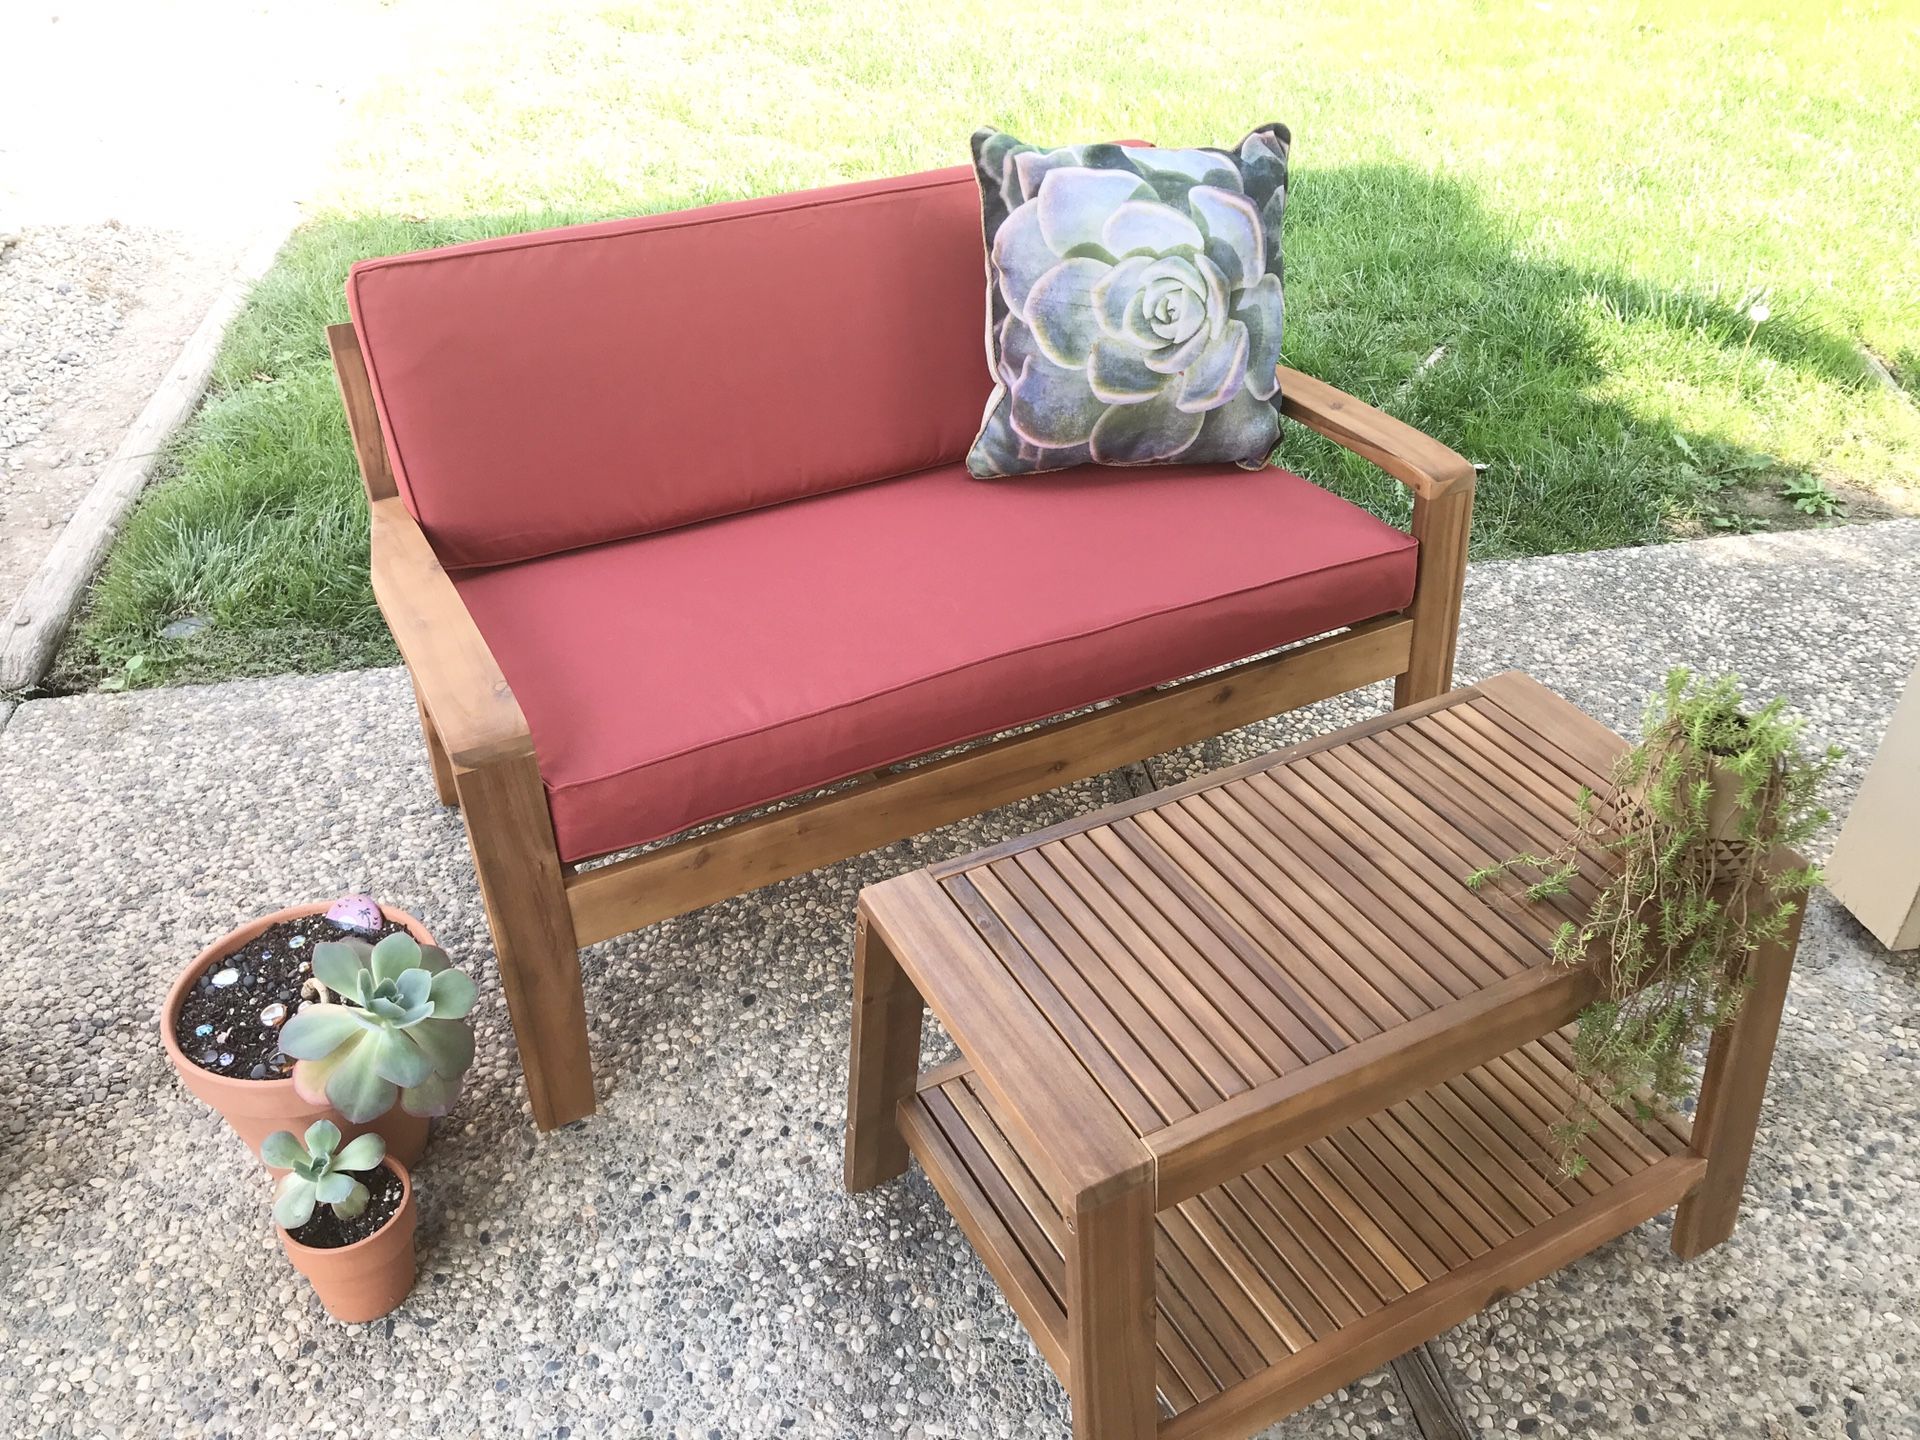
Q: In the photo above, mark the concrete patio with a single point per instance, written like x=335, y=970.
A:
x=686, y=1264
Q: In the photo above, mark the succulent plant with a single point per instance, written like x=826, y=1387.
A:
x=401, y=1032
x=1699, y=810
x=320, y=1171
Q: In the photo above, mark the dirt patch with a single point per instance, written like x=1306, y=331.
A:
x=230, y=1021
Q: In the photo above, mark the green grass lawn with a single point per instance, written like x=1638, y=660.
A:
x=1538, y=230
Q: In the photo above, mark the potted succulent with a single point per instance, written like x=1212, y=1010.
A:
x=397, y=1032
x=345, y=1216
x=1694, y=814
x=225, y=1022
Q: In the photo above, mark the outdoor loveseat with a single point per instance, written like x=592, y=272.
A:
x=670, y=523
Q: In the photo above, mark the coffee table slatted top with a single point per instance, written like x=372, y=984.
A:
x=1292, y=927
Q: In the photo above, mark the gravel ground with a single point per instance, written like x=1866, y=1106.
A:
x=126, y=221
x=685, y=1264
x=91, y=316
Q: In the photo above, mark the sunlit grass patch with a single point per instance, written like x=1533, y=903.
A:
x=1542, y=233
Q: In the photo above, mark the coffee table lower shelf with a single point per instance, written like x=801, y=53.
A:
x=1285, y=1284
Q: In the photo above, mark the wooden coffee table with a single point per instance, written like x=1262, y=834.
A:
x=1254, y=1092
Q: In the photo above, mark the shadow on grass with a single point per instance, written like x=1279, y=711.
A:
x=1401, y=289
x=1404, y=291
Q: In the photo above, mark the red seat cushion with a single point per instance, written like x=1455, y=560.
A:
x=543, y=392
x=701, y=671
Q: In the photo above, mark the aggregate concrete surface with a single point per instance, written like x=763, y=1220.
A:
x=128, y=196
x=685, y=1264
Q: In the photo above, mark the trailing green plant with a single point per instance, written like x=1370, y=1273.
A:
x=320, y=1171
x=1687, y=838
x=399, y=1031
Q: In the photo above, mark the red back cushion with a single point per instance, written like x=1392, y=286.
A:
x=544, y=392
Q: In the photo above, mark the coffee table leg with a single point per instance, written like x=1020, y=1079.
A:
x=885, y=1062
x=1731, y=1089
x=1110, y=1317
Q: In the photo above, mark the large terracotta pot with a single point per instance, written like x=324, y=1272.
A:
x=364, y=1280
x=257, y=1108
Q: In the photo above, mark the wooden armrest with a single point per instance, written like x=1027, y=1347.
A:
x=464, y=692
x=1416, y=460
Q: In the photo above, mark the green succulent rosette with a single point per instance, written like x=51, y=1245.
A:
x=398, y=1031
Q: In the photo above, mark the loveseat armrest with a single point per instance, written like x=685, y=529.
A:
x=1415, y=459
x=1442, y=484
x=460, y=684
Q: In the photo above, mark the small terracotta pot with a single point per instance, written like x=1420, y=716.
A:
x=257, y=1108
x=362, y=1281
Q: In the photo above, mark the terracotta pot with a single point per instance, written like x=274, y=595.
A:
x=257, y=1108
x=364, y=1280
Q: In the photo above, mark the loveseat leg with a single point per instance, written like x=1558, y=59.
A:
x=511, y=833
x=1442, y=520
x=443, y=785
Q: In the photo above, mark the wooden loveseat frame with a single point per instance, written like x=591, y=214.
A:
x=543, y=911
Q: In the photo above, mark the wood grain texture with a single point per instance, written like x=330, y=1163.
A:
x=1111, y=1316
x=1345, y=1065
x=1732, y=1087
x=1416, y=460
x=437, y=759
x=1307, y=1272
x=363, y=417
x=457, y=678
x=1226, y=1139
x=885, y=1060
x=1442, y=483
x=519, y=871
x=1032, y=1276
x=1240, y=966
x=376, y=477
x=1066, y=1125
x=1442, y=523
x=1436, y=1414
x=481, y=757
x=654, y=885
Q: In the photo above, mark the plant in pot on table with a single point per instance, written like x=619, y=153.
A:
x=1686, y=838
x=230, y=1013
x=345, y=1217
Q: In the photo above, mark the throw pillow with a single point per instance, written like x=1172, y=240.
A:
x=1134, y=304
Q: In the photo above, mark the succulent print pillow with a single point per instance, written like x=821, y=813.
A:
x=1134, y=305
